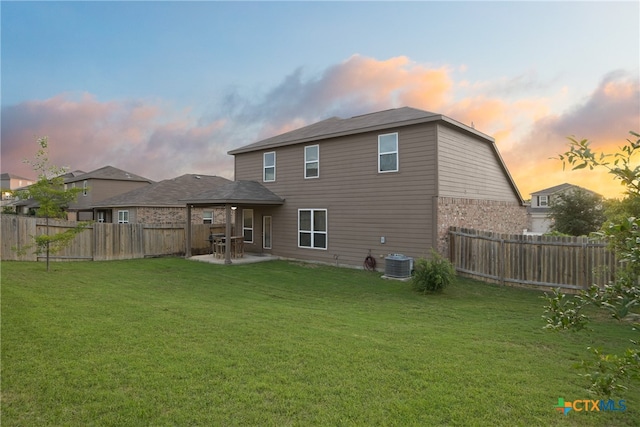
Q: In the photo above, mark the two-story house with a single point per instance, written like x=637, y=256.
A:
x=9, y=182
x=539, y=220
x=387, y=182
x=29, y=206
x=98, y=185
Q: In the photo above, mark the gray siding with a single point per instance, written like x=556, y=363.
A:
x=362, y=204
x=468, y=168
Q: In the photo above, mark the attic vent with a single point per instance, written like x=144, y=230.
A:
x=398, y=266
x=197, y=176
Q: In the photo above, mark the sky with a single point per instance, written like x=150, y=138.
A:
x=161, y=89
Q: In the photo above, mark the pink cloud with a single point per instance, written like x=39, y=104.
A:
x=87, y=134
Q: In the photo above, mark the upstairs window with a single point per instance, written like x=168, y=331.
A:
x=312, y=161
x=312, y=228
x=543, y=200
x=388, y=152
x=123, y=217
x=269, y=163
x=84, y=187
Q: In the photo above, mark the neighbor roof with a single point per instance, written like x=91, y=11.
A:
x=335, y=127
x=73, y=174
x=6, y=176
x=560, y=188
x=108, y=173
x=169, y=192
x=237, y=192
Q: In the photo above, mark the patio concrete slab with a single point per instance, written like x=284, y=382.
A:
x=246, y=259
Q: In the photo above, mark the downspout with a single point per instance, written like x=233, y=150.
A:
x=187, y=251
x=435, y=220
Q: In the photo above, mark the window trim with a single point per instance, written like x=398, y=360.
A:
x=123, y=220
x=309, y=162
x=312, y=231
x=244, y=228
x=85, y=184
x=265, y=166
x=205, y=219
x=396, y=152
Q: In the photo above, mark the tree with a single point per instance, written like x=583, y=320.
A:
x=616, y=210
x=577, y=212
x=53, y=198
x=608, y=373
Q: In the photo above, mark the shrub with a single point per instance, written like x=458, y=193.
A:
x=433, y=274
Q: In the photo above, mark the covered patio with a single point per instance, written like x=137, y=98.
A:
x=232, y=195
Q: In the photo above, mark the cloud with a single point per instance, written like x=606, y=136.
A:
x=356, y=86
x=84, y=133
x=605, y=118
x=154, y=139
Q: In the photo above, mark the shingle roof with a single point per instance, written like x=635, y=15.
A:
x=73, y=174
x=334, y=127
x=108, y=172
x=169, y=192
x=6, y=176
x=559, y=188
x=239, y=192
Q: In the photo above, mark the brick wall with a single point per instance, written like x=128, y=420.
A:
x=485, y=215
x=177, y=215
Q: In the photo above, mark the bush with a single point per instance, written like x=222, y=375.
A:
x=433, y=274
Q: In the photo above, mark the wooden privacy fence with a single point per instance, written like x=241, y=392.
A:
x=540, y=261
x=102, y=241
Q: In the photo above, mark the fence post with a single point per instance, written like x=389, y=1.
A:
x=502, y=261
x=452, y=240
x=187, y=233
x=585, y=263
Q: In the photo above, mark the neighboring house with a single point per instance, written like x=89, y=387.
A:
x=539, y=221
x=99, y=185
x=9, y=182
x=30, y=206
x=160, y=202
x=388, y=182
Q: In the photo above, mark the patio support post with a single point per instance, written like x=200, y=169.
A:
x=227, y=234
x=187, y=250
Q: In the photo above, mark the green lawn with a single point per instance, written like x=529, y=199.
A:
x=173, y=342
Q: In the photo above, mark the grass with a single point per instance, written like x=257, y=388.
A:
x=174, y=342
